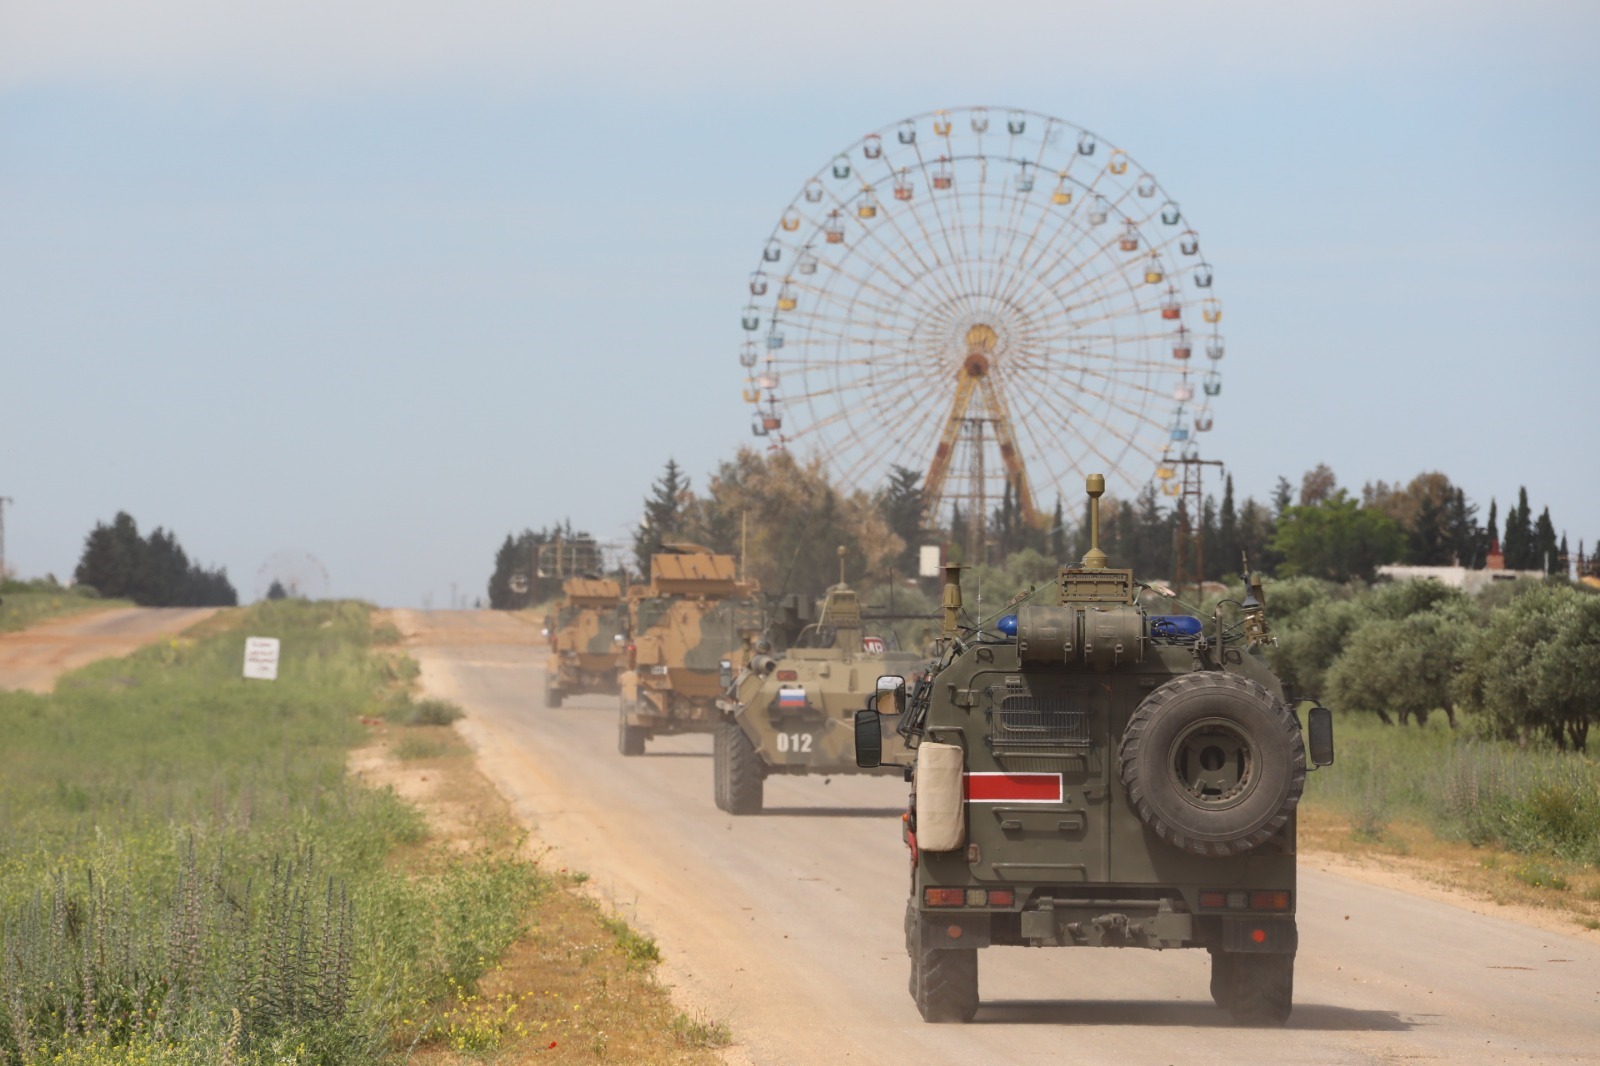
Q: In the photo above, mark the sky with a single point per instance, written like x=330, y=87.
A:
x=384, y=282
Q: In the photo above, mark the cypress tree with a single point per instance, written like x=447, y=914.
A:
x=1227, y=550
x=1546, y=549
x=1518, y=543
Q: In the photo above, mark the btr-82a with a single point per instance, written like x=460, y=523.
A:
x=789, y=711
x=1086, y=774
x=584, y=636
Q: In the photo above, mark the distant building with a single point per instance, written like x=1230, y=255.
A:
x=1459, y=577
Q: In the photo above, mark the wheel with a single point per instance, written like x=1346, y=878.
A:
x=740, y=770
x=719, y=770
x=1261, y=987
x=944, y=981
x=552, y=695
x=1222, y=977
x=911, y=947
x=630, y=738
x=1213, y=763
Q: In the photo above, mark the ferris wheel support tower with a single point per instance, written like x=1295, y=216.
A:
x=974, y=378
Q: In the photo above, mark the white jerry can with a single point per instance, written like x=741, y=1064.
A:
x=941, y=814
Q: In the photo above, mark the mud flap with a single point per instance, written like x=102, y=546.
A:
x=950, y=931
x=1267, y=936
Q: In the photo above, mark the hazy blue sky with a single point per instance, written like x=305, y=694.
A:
x=385, y=281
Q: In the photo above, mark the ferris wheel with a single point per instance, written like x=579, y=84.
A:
x=995, y=298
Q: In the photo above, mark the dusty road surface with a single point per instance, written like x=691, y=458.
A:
x=788, y=925
x=32, y=659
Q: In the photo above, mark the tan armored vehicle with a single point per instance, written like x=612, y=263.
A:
x=793, y=712
x=694, y=614
x=584, y=637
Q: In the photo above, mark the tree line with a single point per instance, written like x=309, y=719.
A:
x=789, y=518
x=1519, y=661
x=151, y=571
x=786, y=519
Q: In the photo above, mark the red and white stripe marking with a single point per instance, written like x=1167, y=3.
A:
x=1014, y=788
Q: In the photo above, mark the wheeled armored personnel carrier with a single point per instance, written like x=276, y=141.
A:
x=584, y=638
x=693, y=614
x=1089, y=775
x=791, y=713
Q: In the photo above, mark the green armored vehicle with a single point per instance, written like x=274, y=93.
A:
x=584, y=635
x=1088, y=775
x=791, y=713
x=694, y=614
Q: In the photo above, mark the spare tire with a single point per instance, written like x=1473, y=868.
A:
x=1213, y=763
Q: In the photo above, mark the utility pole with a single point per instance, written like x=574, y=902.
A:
x=3, y=501
x=1190, y=534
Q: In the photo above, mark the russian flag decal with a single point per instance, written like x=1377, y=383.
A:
x=791, y=697
x=1013, y=788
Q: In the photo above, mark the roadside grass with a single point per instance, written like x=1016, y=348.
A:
x=1518, y=824
x=188, y=876
x=579, y=984
x=416, y=745
x=569, y=992
x=27, y=603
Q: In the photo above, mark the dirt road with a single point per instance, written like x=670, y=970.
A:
x=34, y=658
x=788, y=925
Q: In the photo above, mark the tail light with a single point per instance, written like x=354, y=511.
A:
x=1259, y=900
x=968, y=897
x=1269, y=901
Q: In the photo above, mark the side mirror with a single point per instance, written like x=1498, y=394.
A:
x=891, y=694
x=1319, y=736
x=725, y=673
x=869, y=740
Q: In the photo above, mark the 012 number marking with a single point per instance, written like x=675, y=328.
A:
x=795, y=742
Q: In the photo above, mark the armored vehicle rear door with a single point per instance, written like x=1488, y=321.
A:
x=1039, y=771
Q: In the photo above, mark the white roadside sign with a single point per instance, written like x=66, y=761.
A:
x=261, y=658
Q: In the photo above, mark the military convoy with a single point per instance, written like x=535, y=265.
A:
x=693, y=615
x=1086, y=774
x=791, y=711
x=584, y=637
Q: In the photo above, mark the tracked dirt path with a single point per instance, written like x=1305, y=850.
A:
x=788, y=925
x=33, y=658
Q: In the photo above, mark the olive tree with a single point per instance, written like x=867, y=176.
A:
x=1534, y=667
x=1400, y=668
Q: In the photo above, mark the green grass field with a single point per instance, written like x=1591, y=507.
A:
x=27, y=603
x=187, y=875
x=1534, y=800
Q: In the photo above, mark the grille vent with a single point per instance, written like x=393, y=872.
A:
x=1039, y=721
